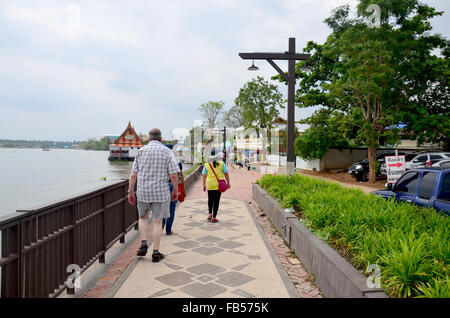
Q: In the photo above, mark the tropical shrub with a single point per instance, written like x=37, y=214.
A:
x=411, y=245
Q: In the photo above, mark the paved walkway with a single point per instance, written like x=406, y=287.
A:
x=203, y=259
x=240, y=256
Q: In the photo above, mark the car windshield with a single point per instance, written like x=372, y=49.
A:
x=426, y=185
x=407, y=183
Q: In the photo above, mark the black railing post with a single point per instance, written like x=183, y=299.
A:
x=136, y=226
x=101, y=259
x=72, y=237
x=124, y=214
x=39, y=245
x=21, y=271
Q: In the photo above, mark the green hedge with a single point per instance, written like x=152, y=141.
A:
x=410, y=245
x=190, y=170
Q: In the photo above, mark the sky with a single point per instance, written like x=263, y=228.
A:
x=73, y=70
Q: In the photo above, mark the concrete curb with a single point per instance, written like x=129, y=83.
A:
x=284, y=276
x=192, y=177
x=335, y=277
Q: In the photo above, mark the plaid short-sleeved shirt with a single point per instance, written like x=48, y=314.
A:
x=153, y=165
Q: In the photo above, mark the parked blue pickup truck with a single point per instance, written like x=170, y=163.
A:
x=429, y=187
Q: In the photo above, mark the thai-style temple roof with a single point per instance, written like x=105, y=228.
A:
x=279, y=121
x=129, y=138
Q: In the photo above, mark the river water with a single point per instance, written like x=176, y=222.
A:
x=30, y=177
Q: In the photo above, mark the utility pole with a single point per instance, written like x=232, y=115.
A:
x=224, y=137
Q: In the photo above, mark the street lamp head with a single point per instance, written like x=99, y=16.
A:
x=253, y=67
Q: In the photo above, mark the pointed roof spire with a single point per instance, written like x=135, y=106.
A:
x=125, y=141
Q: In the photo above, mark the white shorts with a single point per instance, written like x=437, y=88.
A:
x=160, y=210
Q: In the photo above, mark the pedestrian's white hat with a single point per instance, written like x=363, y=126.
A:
x=214, y=155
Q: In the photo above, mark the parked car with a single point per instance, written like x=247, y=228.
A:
x=442, y=163
x=428, y=187
x=360, y=169
x=420, y=160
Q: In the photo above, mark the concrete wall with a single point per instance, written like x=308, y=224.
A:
x=273, y=160
x=308, y=164
x=190, y=179
x=280, y=161
x=342, y=158
x=335, y=158
x=332, y=273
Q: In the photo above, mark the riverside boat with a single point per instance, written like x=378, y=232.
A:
x=125, y=147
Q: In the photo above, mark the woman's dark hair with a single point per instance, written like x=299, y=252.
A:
x=213, y=153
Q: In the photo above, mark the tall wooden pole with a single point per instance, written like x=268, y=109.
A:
x=292, y=57
x=290, y=155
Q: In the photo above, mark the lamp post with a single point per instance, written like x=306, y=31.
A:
x=291, y=57
x=224, y=136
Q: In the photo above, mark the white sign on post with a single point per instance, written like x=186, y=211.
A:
x=395, y=167
x=269, y=170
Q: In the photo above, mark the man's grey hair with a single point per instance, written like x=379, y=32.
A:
x=155, y=134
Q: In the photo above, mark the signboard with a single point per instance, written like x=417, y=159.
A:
x=395, y=167
x=269, y=170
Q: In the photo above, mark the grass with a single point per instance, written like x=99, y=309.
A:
x=411, y=245
x=190, y=170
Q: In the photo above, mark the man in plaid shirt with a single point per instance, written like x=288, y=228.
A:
x=153, y=167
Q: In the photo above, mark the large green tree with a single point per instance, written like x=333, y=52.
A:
x=211, y=113
x=379, y=77
x=233, y=118
x=258, y=104
x=326, y=129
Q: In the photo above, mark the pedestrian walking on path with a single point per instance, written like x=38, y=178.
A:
x=153, y=166
x=224, y=156
x=213, y=171
x=168, y=222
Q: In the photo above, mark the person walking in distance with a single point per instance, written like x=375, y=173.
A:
x=225, y=157
x=213, y=170
x=167, y=223
x=153, y=166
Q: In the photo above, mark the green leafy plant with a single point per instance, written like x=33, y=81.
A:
x=411, y=245
x=435, y=288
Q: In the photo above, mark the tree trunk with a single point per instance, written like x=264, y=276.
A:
x=263, y=151
x=372, y=155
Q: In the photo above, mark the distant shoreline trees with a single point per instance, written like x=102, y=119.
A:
x=94, y=144
x=90, y=144
x=11, y=143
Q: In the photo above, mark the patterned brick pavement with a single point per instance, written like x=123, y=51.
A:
x=228, y=259
x=241, y=181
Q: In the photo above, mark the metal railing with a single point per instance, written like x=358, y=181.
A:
x=38, y=245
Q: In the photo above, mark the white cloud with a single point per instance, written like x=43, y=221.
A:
x=151, y=62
